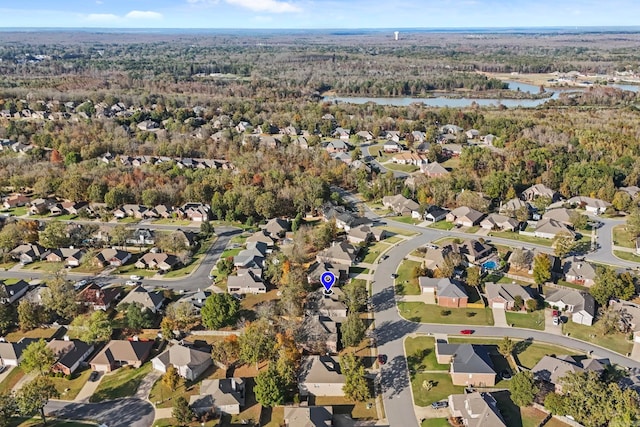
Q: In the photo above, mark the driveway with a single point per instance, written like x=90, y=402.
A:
x=499, y=317
x=116, y=413
x=88, y=389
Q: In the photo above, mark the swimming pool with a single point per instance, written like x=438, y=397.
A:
x=490, y=265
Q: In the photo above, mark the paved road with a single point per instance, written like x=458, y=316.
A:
x=382, y=169
x=198, y=279
x=116, y=413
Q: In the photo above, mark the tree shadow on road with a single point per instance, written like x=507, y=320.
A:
x=116, y=413
x=384, y=300
x=391, y=331
x=394, y=379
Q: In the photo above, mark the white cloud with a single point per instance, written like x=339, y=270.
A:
x=269, y=6
x=143, y=14
x=102, y=17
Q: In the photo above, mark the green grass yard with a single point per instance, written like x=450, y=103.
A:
x=423, y=313
x=627, y=256
x=69, y=389
x=374, y=251
x=521, y=238
x=421, y=355
x=123, y=382
x=442, y=225
x=406, y=284
x=621, y=237
x=435, y=422
x=442, y=389
x=613, y=341
x=533, y=320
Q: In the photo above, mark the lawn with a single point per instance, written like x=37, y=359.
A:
x=123, y=382
x=441, y=390
x=393, y=240
x=435, y=422
x=421, y=355
x=250, y=301
x=400, y=231
x=407, y=220
x=45, y=333
x=533, y=320
x=19, y=211
x=162, y=397
x=195, y=260
x=358, y=270
x=613, y=341
x=67, y=217
x=521, y=238
x=406, y=284
x=571, y=285
x=515, y=416
x=402, y=168
x=421, y=312
x=472, y=230
x=276, y=416
x=373, y=251
x=88, y=268
x=621, y=237
x=172, y=221
x=442, y=225
x=73, y=385
x=230, y=253
x=627, y=256
x=12, y=378
x=131, y=269
x=342, y=405
x=45, y=266
x=172, y=422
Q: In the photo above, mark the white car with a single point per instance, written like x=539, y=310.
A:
x=136, y=278
x=132, y=283
x=556, y=320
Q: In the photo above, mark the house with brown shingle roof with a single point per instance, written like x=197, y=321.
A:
x=118, y=353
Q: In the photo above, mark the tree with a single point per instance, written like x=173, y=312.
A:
x=355, y=383
x=519, y=259
x=506, y=346
x=518, y=303
x=257, y=343
x=55, y=235
x=220, y=310
x=8, y=408
x=563, y=244
x=7, y=318
x=523, y=388
x=171, y=379
x=609, y=321
x=269, y=388
x=609, y=284
x=59, y=297
x=180, y=314
x=97, y=327
x=206, y=229
x=578, y=220
x=29, y=315
x=451, y=261
x=137, y=318
x=181, y=411
x=119, y=235
x=37, y=357
x=226, y=351
x=533, y=304
x=355, y=295
x=473, y=276
x=633, y=222
x=541, y=268
x=225, y=266
x=34, y=395
x=352, y=330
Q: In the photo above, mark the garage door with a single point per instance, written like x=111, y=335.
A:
x=498, y=305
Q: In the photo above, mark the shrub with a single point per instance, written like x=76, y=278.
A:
x=445, y=312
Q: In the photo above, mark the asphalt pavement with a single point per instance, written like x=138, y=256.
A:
x=128, y=412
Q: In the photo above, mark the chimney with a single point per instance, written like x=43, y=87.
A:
x=98, y=293
x=233, y=384
x=66, y=338
x=135, y=338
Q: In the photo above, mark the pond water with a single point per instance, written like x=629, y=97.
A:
x=442, y=101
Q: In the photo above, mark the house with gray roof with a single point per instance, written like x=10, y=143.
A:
x=309, y=416
x=631, y=190
x=579, y=271
x=433, y=170
x=447, y=292
x=70, y=354
x=314, y=273
x=503, y=295
x=11, y=352
x=510, y=207
x=465, y=216
x=476, y=409
x=148, y=300
x=360, y=234
x=318, y=334
x=277, y=227
x=118, y=353
x=496, y=221
x=111, y=256
x=142, y=236
x=338, y=253
x=470, y=365
x=224, y=396
x=189, y=362
x=548, y=228
x=581, y=305
x=29, y=252
x=252, y=257
x=261, y=236
x=591, y=205
x=552, y=369
x=562, y=215
x=337, y=146
x=401, y=205
x=11, y=292
x=629, y=316
x=196, y=300
x=539, y=190
x=321, y=376
x=247, y=281
x=332, y=305
x=157, y=261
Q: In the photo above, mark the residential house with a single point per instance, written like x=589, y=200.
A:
x=40, y=206
x=495, y=221
x=344, y=219
x=135, y=211
x=562, y=215
x=113, y=257
x=10, y=293
x=277, y=227
x=157, y=261
x=489, y=139
x=29, y=252
x=361, y=234
x=189, y=238
x=142, y=236
x=448, y=293
x=118, y=353
x=337, y=146
x=223, y=396
x=433, y=170
x=189, y=362
x=70, y=354
x=69, y=256
x=148, y=125
x=11, y=352
x=408, y=158
x=196, y=300
x=418, y=136
x=332, y=305
x=341, y=133
x=453, y=150
x=392, y=147
x=401, y=205
x=247, y=281
x=422, y=147
x=581, y=305
x=631, y=190
x=148, y=300
x=318, y=334
x=261, y=236
x=314, y=273
x=591, y=205
x=552, y=369
x=309, y=416
x=539, y=190
x=435, y=213
x=338, y=253
x=550, y=228
x=464, y=216
x=473, y=134
x=15, y=200
x=477, y=409
x=451, y=129
x=252, y=257
x=321, y=376
x=99, y=298
x=159, y=211
x=579, y=271
x=503, y=295
x=196, y=212
x=510, y=207
x=434, y=258
x=365, y=135
x=470, y=365
x=474, y=251
x=74, y=208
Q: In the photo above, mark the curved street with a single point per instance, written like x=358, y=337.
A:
x=128, y=412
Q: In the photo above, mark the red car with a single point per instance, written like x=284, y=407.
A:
x=466, y=332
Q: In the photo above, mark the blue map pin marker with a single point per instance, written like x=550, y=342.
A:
x=328, y=279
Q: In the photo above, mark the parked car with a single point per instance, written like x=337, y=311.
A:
x=439, y=405
x=94, y=376
x=136, y=278
x=505, y=375
x=382, y=359
x=466, y=331
x=2, y=368
x=556, y=320
x=394, y=275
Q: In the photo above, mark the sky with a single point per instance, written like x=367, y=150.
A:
x=312, y=14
